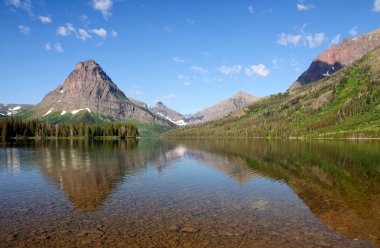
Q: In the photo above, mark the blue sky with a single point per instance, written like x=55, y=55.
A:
x=188, y=54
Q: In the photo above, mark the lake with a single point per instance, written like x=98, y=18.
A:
x=190, y=193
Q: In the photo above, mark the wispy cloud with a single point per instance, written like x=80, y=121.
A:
x=353, y=31
x=185, y=79
x=66, y=30
x=178, y=60
x=83, y=34
x=302, y=6
x=24, y=29
x=302, y=38
x=101, y=32
x=169, y=96
x=137, y=92
x=199, y=69
x=45, y=19
x=21, y=4
x=289, y=39
x=104, y=6
x=58, y=47
x=250, y=9
x=114, y=34
x=336, y=39
x=191, y=22
x=230, y=70
x=376, y=6
x=169, y=28
x=47, y=46
x=259, y=70
x=315, y=40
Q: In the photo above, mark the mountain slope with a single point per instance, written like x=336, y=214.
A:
x=166, y=112
x=235, y=103
x=89, y=95
x=346, y=104
x=338, y=57
x=9, y=110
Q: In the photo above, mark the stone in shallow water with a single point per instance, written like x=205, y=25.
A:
x=189, y=229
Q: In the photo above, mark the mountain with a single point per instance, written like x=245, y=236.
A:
x=235, y=103
x=343, y=105
x=338, y=57
x=89, y=95
x=8, y=110
x=167, y=113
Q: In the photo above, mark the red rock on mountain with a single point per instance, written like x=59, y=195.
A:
x=337, y=57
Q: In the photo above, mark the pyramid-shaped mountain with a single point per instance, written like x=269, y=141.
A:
x=89, y=90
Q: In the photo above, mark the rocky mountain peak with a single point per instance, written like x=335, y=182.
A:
x=159, y=104
x=89, y=89
x=337, y=57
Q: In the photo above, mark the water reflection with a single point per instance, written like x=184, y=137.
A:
x=200, y=193
x=338, y=180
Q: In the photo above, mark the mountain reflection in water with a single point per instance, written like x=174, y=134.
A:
x=241, y=193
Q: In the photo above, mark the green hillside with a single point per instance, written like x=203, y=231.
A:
x=146, y=128
x=343, y=105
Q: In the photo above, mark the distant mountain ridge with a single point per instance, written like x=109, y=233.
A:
x=168, y=113
x=337, y=57
x=235, y=103
x=10, y=110
x=89, y=91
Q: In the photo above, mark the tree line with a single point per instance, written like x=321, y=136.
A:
x=16, y=128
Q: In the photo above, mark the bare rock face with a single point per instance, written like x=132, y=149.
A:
x=164, y=111
x=89, y=88
x=338, y=57
x=233, y=104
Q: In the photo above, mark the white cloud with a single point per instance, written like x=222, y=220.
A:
x=305, y=39
x=58, y=47
x=178, y=60
x=229, y=70
x=289, y=39
x=66, y=30
x=24, y=29
x=168, y=97
x=250, y=9
x=199, y=69
x=45, y=19
x=101, y=32
x=114, y=34
x=83, y=34
x=336, y=39
x=47, y=46
x=376, y=6
x=25, y=5
x=260, y=70
x=104, y=6
x=302, y=6
x=353, y=31
x=315, y=40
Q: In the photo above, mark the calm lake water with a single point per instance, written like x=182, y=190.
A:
x=190, y=193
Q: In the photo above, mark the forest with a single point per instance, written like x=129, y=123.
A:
x=16, y=128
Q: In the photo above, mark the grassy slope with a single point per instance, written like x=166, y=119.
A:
x=344, y=105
